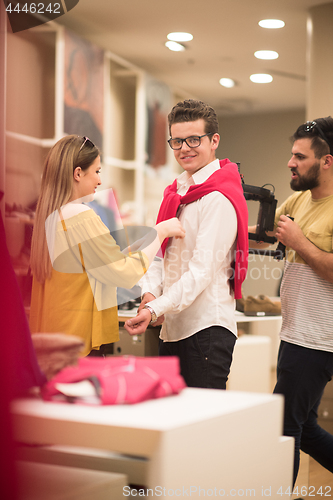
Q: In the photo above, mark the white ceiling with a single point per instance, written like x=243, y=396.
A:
x=226, y=35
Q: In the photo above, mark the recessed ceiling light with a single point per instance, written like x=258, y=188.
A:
x=227, y=82
x=180, y=37
x=261, y=78
x=175, y=46
x=266, y=54
x=271, y=23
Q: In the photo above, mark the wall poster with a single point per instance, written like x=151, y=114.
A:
x=84, y=88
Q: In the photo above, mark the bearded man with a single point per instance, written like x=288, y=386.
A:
x=305, y=362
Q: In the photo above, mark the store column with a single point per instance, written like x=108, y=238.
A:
x=319, y=101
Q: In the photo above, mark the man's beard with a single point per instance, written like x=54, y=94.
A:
x=308, y=181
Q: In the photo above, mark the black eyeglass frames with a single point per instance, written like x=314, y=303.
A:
x=193, y=141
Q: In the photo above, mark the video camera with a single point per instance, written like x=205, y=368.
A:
x=265, y=220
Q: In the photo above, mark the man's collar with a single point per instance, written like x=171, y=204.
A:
x=200, y=176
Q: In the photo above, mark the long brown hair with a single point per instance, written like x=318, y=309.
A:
x=56, y=189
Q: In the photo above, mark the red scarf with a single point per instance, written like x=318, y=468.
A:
x=227, y=181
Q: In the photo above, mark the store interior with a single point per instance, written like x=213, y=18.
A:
x=104, y=71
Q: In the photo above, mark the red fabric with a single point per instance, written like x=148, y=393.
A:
x=19, y=370
x=228, y=182
x=123, y=379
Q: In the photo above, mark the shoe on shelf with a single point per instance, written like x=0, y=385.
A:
x=240, y=304
x=261, y=306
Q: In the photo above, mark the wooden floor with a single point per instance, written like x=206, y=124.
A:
x=318, y=476
x=314, y=482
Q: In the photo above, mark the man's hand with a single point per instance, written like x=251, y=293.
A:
x=139, y=324
x=259, y=244
x=148, y=298
x=289, y=233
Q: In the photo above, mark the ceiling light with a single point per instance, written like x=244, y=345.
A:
x=266, y=54
x=261, y=78
x=175, y=46
x=227, y=82
x=180, y=37
x=271, y=23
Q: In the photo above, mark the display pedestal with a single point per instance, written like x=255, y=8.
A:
x=268, y=326
x=200, y=440
x=54, y=482
x=251, y=365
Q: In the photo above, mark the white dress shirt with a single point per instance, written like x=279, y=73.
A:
x=191, y=283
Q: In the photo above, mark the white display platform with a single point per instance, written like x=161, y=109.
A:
x=202, y=440
x=55, y=482
x=250, y=369
x=269, y=326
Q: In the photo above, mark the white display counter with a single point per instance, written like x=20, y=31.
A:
x=269, y=326
x=250, y=369
x=254, y=358
x=204, y=441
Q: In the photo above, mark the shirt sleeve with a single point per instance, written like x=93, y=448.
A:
x=281, y=210
x=286, y=207
x=216, y=235
x=152, y=280
x=89, y=247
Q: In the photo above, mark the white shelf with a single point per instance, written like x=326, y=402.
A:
x=242, y=318
x=237, y=436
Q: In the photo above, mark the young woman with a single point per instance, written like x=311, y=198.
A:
x=75, y=262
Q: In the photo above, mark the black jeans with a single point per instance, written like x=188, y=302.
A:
x=302, y=375
x=102, y=352
x=205, y=357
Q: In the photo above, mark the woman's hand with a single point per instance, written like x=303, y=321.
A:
x=169, y=228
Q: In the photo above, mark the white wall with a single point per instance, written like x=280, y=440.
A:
x=30, y=81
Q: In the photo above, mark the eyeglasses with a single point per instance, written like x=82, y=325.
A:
x=309, y=126
x=86, y=139
x=193, y=141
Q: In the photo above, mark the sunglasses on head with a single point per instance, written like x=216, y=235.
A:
x=88, y=141
x=310, y=126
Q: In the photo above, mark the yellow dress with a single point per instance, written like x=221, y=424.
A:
x=80, y=297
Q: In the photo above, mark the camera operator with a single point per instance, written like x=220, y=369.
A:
x=305, y=361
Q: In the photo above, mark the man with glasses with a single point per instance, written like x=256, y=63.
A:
x=192, y=290
x=305, y=362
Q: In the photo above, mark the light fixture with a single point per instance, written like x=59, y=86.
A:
x=179, y=36
x=261, y=78
x=271, y=23
x=227, y=82
x=175, y=46
x=266, y=54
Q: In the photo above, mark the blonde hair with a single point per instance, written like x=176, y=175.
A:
x=56, y=189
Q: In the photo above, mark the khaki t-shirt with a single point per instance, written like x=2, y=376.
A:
x=306, y=298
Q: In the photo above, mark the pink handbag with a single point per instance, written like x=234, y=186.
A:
x=116, y=380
